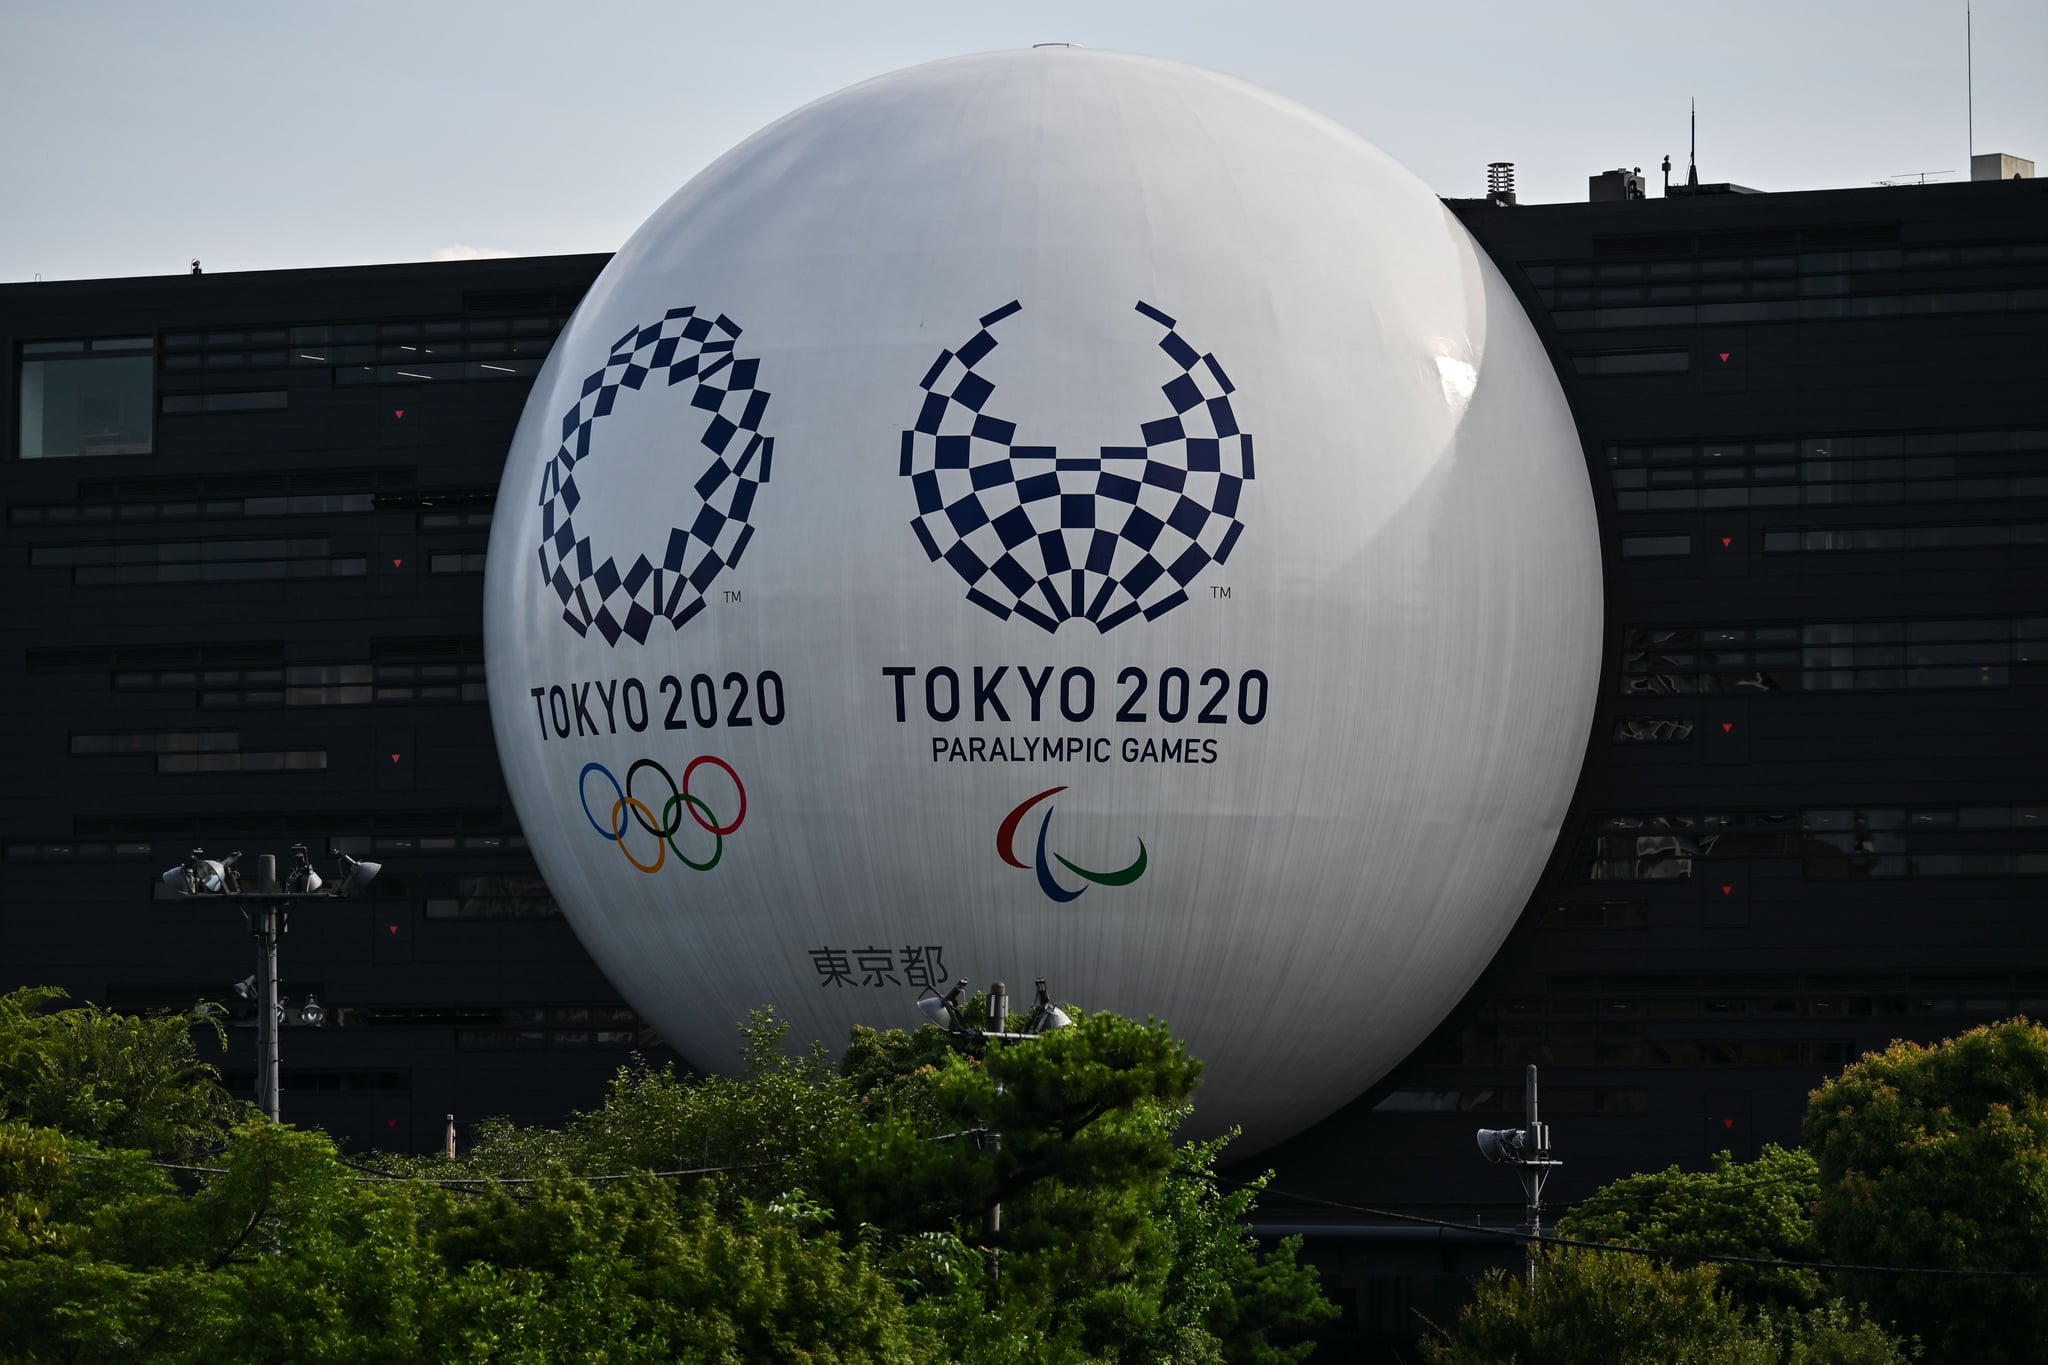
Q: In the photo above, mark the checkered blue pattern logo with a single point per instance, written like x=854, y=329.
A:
x=659, y=582
x=1103, y=537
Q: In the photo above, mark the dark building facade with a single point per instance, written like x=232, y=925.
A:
x=1813, y=816
x=246, y=518
x=245, y=534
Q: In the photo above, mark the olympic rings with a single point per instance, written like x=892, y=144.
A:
x=713, y=827
x=670, y=822
x=619, y=833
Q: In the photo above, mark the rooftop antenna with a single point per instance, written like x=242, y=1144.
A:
x=1692, y=170
x=1970, y=80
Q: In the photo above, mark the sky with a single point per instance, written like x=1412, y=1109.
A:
x=284, y=133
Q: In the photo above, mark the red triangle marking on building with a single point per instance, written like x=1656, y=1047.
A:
x=399, y=413
x=1726, y=726
x=391, y=1123
x=1726, y=541
x=1727, y=890
x=1724, y=361
x=396, y=563
x=394, y=758
x=392, y=927
x=1727, y=1123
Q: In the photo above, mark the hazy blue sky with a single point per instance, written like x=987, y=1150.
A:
x=139, y=135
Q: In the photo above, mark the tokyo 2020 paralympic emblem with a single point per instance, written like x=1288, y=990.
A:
x=1006, y=848
x=623, y=591
x=1052, y=537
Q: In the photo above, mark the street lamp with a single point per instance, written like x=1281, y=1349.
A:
x=946, y=1012
x=1527, y=1150
x=266, y=909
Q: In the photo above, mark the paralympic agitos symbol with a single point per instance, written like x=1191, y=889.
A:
x=1006, y=845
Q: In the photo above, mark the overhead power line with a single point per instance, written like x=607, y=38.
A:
x=1657, y=1253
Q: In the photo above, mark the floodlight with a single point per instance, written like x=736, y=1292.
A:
x=1045, y=1016
x=312, y=1013
x=302, y=879
x=355, y=875
x=944, y=1012
x=1502, y=1144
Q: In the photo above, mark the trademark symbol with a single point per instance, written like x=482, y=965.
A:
x=1219, y=592
x=732, y=594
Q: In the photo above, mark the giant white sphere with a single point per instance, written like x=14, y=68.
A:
x=1116, y=527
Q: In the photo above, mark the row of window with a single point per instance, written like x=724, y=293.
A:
x=1787, y=263
x=1562, y=1100
x=1644, y=1052
x=1574, y=916
x=1833, y=844
x=492, y=896
x=199, y=751
x=1807, y=540
x=1825, y=539
x=1828, y=656
x=101, y=850
x=345, y=333
x=191, y=509
x=1929, y=467
x=502, y=350
x=157, y=742
x=249, y=400
x=1763, y=285
x=1830, y=818
x=1932, y=304
x=454, y=369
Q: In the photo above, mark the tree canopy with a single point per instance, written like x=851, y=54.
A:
x=1938, y=1156
x=800, y=1210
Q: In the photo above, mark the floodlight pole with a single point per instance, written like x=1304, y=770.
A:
x=267, y=911
x=266, y=924
x=992, y=1142
x=1534, y=1170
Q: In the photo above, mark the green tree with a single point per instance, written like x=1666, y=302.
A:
x=1760, y=1208
x=1938, y=1156
x=1607, y=1307
x=125, y=1080
x=842, y=1222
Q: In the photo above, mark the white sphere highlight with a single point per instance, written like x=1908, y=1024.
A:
x=1050, y=513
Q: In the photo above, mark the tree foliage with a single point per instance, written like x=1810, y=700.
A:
x=125, y=1080
x=1595, y=1305
x=1938, y=1156
x=1761, y=1208
x=829, y=1212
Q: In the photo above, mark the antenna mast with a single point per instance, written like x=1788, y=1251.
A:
x=1692, y=170
x=1970, y=79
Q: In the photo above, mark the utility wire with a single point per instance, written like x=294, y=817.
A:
x=1659, y=1253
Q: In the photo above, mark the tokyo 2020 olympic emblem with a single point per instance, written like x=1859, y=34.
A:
x=1050, y=536
x=624, y=590
x=627, y=810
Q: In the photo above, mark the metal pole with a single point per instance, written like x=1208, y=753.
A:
x=1534, y=1184
x=267, y=917
x=992, y=1226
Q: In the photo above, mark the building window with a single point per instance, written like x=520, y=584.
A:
x=1672, y=361
x=1656, y=547
x=257, y=400
x=86, y=398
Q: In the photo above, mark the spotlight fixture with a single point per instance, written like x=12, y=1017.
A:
x=1045, y=1016
x=944, y=1012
